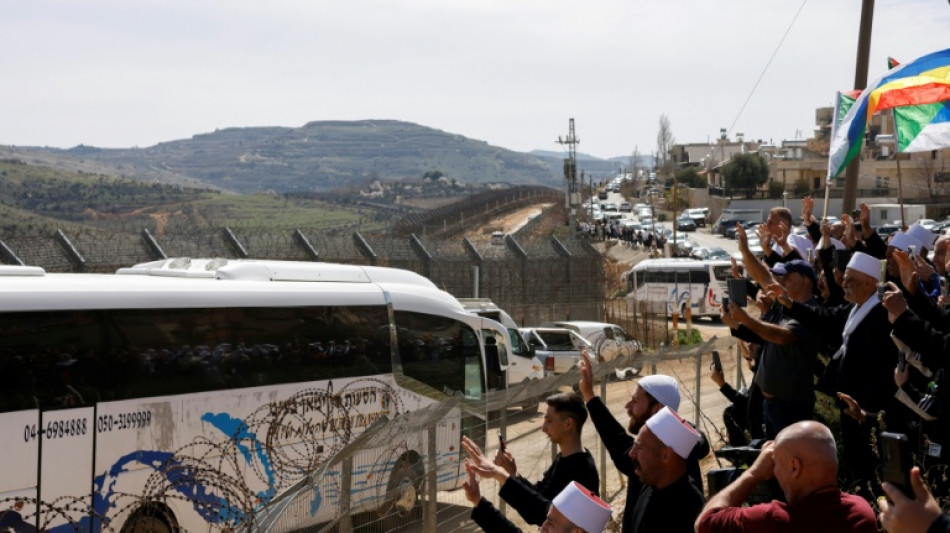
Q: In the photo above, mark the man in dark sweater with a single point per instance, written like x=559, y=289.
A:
x=649, y=396
x=563, y=420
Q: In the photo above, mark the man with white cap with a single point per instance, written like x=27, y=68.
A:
x=863, y=365
x=803, y=460
x=650, y=395
x=668, y=499
x=574, y=510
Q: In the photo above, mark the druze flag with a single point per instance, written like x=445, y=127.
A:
x=920, y=83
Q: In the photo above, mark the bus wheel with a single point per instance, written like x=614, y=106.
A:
x=151, y=519
x=404, y=491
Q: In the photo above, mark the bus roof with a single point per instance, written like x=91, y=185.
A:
x=233, y=282
x=678, y=264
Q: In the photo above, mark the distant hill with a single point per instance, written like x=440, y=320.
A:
x=318, y=156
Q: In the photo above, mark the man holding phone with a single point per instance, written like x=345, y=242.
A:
x=563, y=420
x=785, y=373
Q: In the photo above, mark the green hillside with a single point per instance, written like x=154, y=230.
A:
x=36, y=200
x=318, y=156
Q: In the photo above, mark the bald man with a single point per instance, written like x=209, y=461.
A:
x=803, y=460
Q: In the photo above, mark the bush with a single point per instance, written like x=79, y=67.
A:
x=688, y=337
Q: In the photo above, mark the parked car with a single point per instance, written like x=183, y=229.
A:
x=558, y=349
x=927, y=223
x=609, y=340
x=711, y=252
x=698, y=215
x=625, y=207
x=685, y=223
x=730, y=232
x=885, y=230
x=684, y=247
x=724, y=224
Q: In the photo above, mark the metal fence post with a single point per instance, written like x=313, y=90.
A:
x=345, y=525
x=698, y=395
x=430, y=510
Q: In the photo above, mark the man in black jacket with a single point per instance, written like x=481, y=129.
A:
x=650, y=395
x=563, y=420
x=863, y=367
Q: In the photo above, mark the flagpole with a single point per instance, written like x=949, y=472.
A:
x=897, y=157
x=824, y=212
x=900, y=189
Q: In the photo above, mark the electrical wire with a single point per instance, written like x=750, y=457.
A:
x=767, y=65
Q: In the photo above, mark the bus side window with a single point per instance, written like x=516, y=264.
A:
x=454, y=345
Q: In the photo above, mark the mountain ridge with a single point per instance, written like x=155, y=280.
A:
x=316, y=157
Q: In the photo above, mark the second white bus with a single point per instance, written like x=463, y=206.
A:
x=677, y=284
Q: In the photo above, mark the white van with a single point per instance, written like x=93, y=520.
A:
x=522, y=365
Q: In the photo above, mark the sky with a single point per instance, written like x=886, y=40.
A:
x=124, y=73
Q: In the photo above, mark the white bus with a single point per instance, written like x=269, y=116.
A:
x=675, y=284
x=183, y=395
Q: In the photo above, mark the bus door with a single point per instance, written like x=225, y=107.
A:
x=66, y=456
x=19, y=452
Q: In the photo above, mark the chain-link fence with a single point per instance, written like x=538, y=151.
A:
x=430, y=498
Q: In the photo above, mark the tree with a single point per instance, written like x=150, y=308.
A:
x=664, y=143
x=690, y=178
x=635, y=167
x=746, y=172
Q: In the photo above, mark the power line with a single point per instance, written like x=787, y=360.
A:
x=762, y=75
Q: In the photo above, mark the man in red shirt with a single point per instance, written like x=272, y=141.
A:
x=803, y=460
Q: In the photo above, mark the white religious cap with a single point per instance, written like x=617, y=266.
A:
x=664, y=389
x=922, y=234
x=903, y=241
x=865, y=264
x=673, y=431
x=582, y=508
x=801, y=243
x=838, y=244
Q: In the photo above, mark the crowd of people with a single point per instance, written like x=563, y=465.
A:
x=842, y=313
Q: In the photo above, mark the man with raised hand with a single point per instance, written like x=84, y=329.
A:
x=563, y=420
x=650, y=395
x=803, y=460
x=863, y=366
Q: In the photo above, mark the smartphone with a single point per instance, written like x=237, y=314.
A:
x=501, y=441
x=716, y=361
x=882, y=279
x=901, y=361
x=725, y=303
x=738, y=291
x=895, y=458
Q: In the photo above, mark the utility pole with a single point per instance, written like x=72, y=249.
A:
x=572, y=199
x=860, y=83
